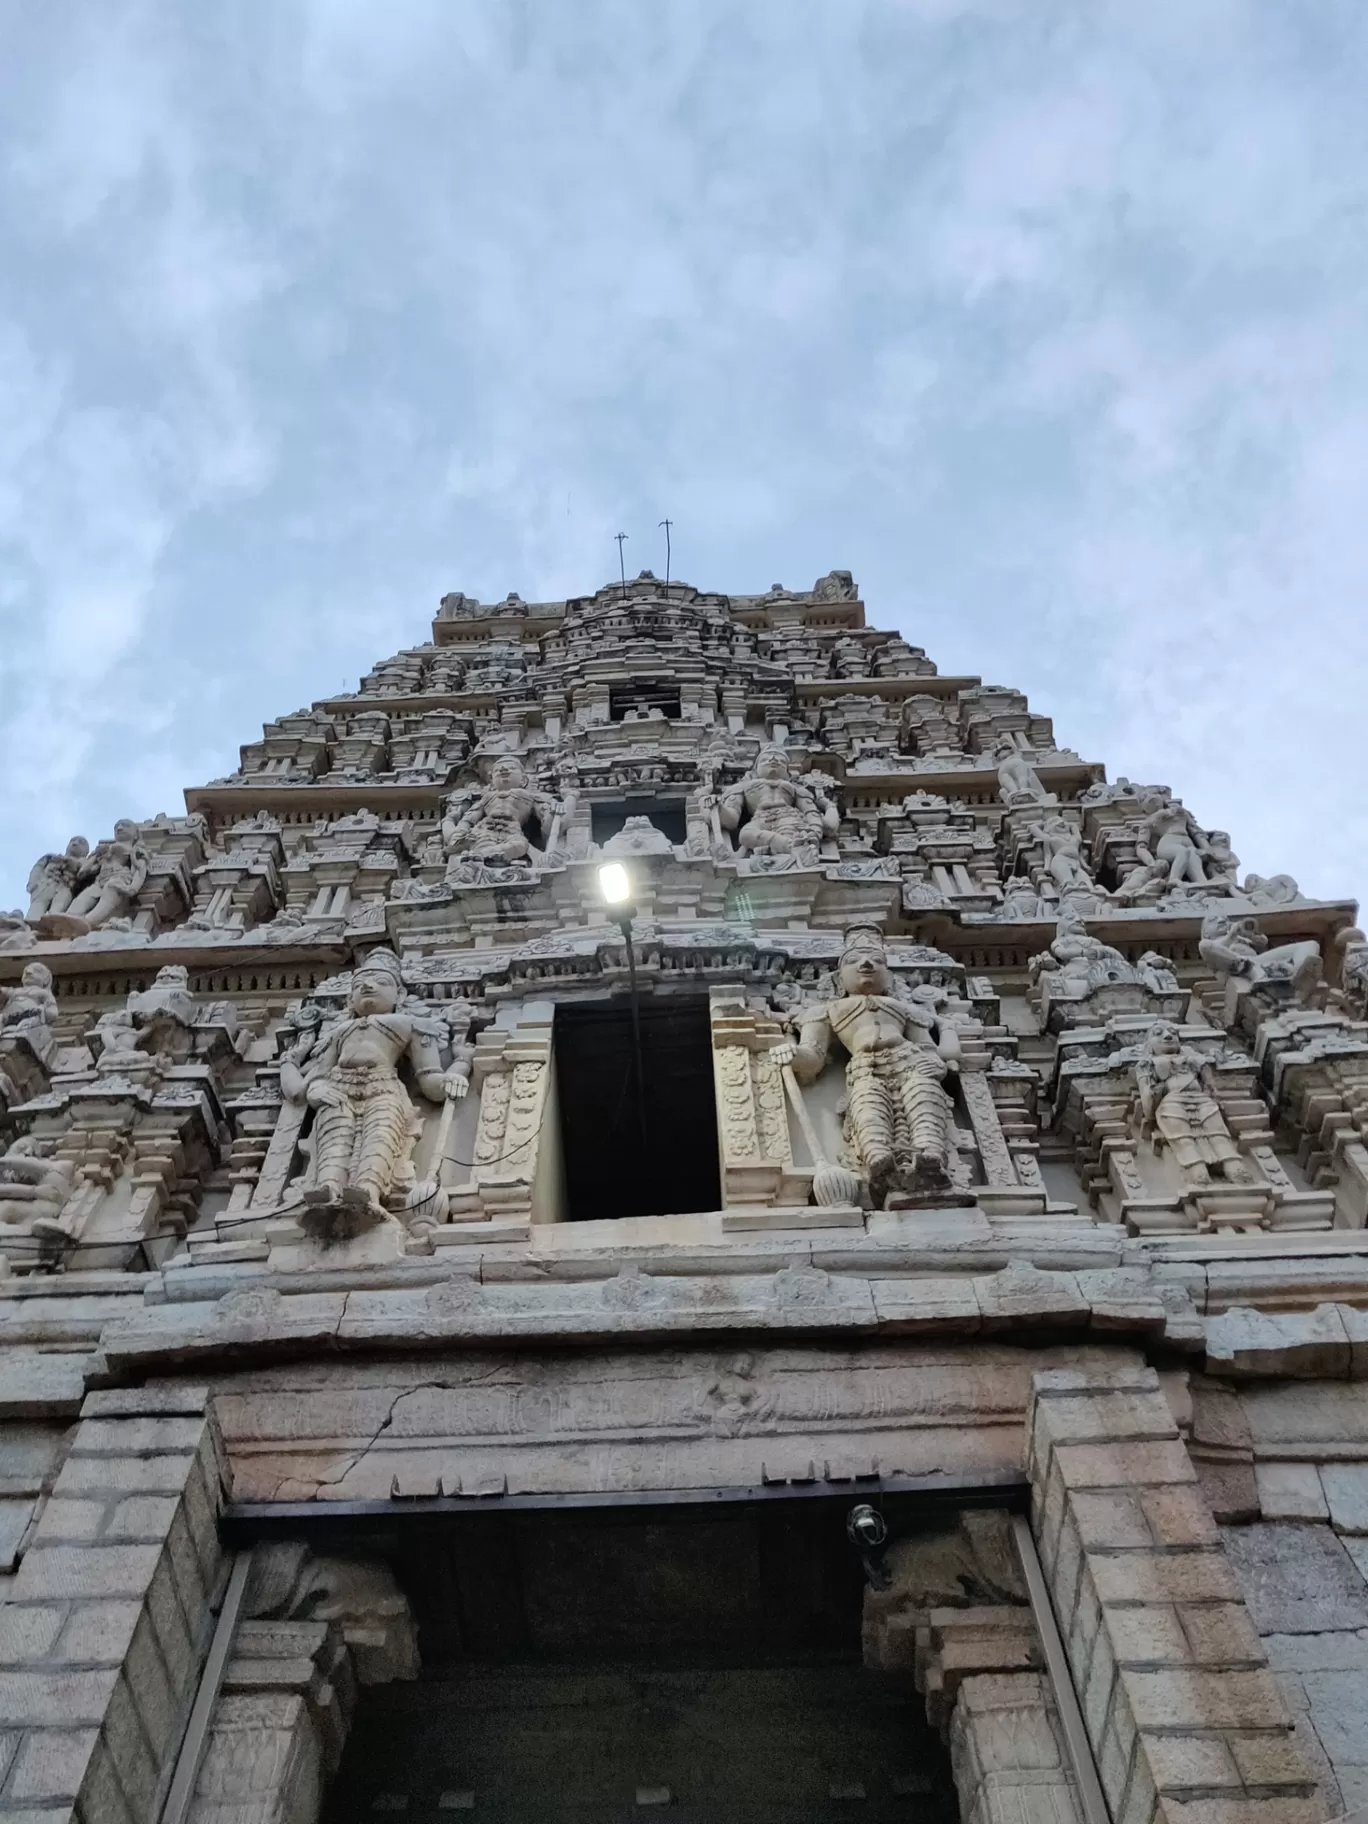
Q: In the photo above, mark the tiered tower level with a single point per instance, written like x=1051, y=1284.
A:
x=946, y=966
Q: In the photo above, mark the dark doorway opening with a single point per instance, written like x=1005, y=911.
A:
x=606, y=820
x=582, y=1665
x=652, y=1153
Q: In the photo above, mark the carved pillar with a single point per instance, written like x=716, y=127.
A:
x=752, y=1109
x=512, y=1072
x=978, y=1666
x=1181, y=1709
x=289, y=1691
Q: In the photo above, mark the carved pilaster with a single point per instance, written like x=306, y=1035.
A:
x=752, y=1110
x=512, y=1072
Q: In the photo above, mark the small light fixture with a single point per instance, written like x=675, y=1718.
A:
x=615, y=883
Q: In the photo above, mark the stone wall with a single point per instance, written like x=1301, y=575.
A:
x=106, y=1621
x=1286, y=1466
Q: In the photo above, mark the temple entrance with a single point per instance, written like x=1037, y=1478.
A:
x=629, y=1153
x=701, y=1663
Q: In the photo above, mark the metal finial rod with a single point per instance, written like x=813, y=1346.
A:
x=622, y=568
x=667, y=523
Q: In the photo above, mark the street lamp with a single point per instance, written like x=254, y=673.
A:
x=615, y=884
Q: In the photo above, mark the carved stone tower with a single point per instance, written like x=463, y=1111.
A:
x=669, y=1054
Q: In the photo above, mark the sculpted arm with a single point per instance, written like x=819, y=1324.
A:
x=1147, y=1084
x=546, y=809
x=814, y=1044
x=318, y=1091
x=948, y=1043
x=729, y=810
x=813, y=798
x=425, y=1055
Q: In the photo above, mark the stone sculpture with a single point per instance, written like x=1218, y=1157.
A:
x=34, y=1190
x=835, y=586
x=1018, y=781
x=638, y=836
x=898, y=1117
x=15, y=933
x=494, y=827
x=1078, y=961
x=28, y=1020
x=365, y=1123
x=1236, y=947
x=107, y=886
x=1062, y=842
x=159, y=1022
x=1169, y=838
x=1179, y=1112
x=54, y=878
x=1081, y=980
x=1221, y=861
x=775, y=813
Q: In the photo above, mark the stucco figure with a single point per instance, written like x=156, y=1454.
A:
x=53, y=881
x=898, y=1117
x=365, y=1122
x=108, y=885
x=1180, y=1113
x=774, y=813
x=1018, y=781
x=494, y=827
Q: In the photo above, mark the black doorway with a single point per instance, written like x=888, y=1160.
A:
x=612, y=1168
x=590, y=1666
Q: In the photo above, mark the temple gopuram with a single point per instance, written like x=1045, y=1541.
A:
x=665, y=1211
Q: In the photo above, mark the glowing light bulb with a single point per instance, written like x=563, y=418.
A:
x=614, y=883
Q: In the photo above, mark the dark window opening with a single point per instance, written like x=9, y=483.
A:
x=606, y=820
x=648, y=701
x=629, y=1153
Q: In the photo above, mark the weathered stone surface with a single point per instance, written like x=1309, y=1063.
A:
x=1346, y=1493
x=16, y=1512
x=1297, y=1579
x=1291, y=1491
x=42, y=1386
x=1310, y=1344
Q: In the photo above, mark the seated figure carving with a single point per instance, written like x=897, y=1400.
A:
x=35, y=1189
x=493, y=828
x=107, y=886
x=775, y=813
x=53, y=881
x=1018, y=781
x=28, y=1020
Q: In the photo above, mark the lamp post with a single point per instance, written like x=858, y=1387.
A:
x=616, y=886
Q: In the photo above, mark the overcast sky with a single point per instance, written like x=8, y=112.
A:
x=1048, y=320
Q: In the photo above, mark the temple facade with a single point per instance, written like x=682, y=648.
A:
x=664, y=1207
